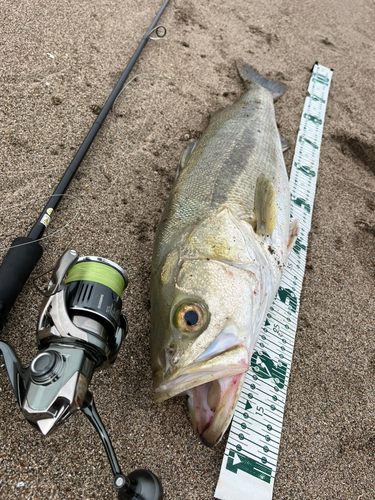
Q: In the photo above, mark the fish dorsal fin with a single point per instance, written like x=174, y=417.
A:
x=185, y=155
x=264, y=206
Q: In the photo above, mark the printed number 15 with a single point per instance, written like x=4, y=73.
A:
x=259, y=411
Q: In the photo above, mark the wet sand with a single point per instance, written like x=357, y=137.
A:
x=58, y=63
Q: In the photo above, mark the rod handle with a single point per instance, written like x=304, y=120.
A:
x=15, y=270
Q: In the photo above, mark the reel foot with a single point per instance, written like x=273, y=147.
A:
x=140, y=484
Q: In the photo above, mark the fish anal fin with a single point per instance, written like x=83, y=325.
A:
x=293, y=234
x=264, y=206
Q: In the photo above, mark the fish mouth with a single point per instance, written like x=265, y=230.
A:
x=211, y=407
x=231, y=362
x=213, y=386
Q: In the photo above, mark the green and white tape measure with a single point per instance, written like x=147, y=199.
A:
x=249, y=464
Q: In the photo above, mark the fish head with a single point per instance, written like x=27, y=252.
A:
x=203, y=323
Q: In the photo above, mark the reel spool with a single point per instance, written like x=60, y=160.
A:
x=80, y=328
x=90, y=303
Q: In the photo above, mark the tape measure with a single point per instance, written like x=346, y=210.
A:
x=249, y=464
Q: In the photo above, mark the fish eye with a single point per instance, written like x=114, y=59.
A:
x=189, y=317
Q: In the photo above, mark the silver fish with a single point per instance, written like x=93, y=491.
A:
x=220, y=249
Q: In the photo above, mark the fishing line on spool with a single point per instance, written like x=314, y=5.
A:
x=99, y=273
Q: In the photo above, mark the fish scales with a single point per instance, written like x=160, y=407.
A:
x=219, y=252
x=224, y=171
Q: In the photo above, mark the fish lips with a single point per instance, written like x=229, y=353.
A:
x=229, y=363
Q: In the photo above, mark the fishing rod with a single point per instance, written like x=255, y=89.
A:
x=80, y=326
x=25, y=252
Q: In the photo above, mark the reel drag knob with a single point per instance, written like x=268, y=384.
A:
x=45, y=366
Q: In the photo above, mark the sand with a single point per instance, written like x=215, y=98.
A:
x=58, y=63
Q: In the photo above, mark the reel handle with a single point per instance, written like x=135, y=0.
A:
x=140, y=484
x=15, y=270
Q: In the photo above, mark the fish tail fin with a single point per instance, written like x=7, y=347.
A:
x=251, y=75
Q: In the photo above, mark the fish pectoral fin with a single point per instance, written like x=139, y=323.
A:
x=185, y=155
x=264, y=206
x=293, y=234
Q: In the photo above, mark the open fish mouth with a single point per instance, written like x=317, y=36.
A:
x=211, y=407
x=233, y=361
x=213, y=386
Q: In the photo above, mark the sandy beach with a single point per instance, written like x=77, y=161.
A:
x=59, y=61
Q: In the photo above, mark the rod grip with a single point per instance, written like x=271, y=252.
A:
x=15, y=271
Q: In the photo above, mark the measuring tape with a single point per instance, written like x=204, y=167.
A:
x=249, y=465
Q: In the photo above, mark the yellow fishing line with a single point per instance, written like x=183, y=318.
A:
x=98, y=273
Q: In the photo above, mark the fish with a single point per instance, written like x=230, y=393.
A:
x=220, y=249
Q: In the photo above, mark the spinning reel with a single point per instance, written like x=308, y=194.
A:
x=80, y=328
